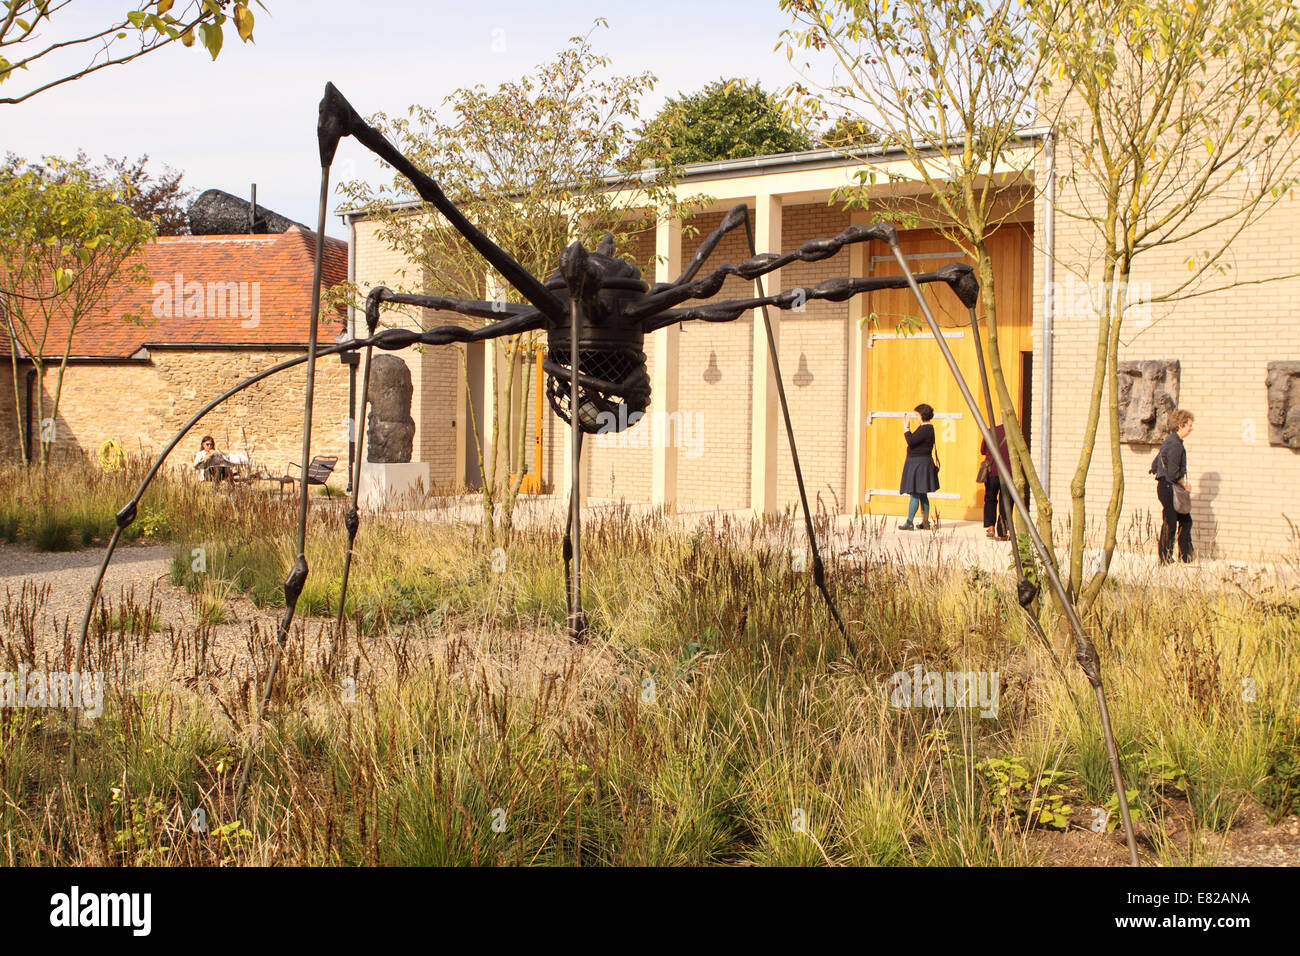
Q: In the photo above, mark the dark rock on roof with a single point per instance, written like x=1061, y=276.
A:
x=218, y=213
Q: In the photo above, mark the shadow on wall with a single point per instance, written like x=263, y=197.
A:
x=54, y=433
x=1205, y=527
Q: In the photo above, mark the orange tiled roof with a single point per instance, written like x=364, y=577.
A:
x=212, y=291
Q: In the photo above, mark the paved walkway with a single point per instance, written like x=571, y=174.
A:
x=958, y=544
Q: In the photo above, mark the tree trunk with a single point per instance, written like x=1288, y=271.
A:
x=1022, y=467
x=1116, y=305
x=24, y=452
x=1079, y=484
x=40, y=408
x=510, y=490
x=490, y=474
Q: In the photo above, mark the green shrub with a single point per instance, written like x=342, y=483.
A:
x=54, y=530
x=1279, y=791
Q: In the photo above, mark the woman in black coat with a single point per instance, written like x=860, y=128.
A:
x=920, y=476
x=1170, y=468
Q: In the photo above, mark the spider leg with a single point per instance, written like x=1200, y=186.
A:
x=523, y=319
x=127, y=514
x=819, y=572
x=352, y=520
x=477, y=308
x=575, y=617
x=957, y=276
x=338, y=119
x=297, y=577
x=577, y=271
x=735, y=216
x=757, y=265
x=1085, y=648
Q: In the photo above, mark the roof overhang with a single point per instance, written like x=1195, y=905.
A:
x=804, y=176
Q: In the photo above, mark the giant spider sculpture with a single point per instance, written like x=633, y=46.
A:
x=596, y=312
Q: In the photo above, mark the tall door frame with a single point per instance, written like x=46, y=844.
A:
x=1012, y=252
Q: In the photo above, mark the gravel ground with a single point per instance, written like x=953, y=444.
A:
x=141, y=570
x=62, y=579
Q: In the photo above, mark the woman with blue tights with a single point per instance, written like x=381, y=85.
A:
x=920, y=474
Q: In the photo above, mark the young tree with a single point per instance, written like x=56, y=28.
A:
x=64, y=239
x=728, y=119
x=30, y=39
x=951, y=84
x=535, y=165
x=1178, y=125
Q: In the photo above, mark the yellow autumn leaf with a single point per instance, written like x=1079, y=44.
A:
x=164, y=6
x=244, y=22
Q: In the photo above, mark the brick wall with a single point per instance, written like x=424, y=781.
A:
x=719, y=410
x=1241, y=485
x=10, y=446
x=814, y=352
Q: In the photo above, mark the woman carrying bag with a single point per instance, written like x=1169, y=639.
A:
x=994, y=524
x=920, y=469
x=1170, y=469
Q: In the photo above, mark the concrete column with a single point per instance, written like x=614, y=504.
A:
x=464, y=419
x=854, y=436
x=664, y=369
x=493, y=362
x=766, y=411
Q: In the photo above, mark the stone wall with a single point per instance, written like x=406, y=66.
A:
x=141, y=405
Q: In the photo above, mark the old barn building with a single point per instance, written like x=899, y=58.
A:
x=214, y=310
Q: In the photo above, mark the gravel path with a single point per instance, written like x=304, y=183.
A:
x=140, y=570
x=172, y=651
x=69, y=573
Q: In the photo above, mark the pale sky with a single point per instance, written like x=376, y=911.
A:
x=250, y=115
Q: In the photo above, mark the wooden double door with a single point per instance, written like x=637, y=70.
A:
x=904, y=367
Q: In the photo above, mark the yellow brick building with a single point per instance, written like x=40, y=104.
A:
x=849, y=379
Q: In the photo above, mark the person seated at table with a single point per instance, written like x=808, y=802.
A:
x=213, y=464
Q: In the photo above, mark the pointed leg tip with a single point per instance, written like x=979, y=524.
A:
x=578, y=627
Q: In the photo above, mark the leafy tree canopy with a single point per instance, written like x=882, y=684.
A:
x=728, y=119
x=154, y=197
x=849, y=133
